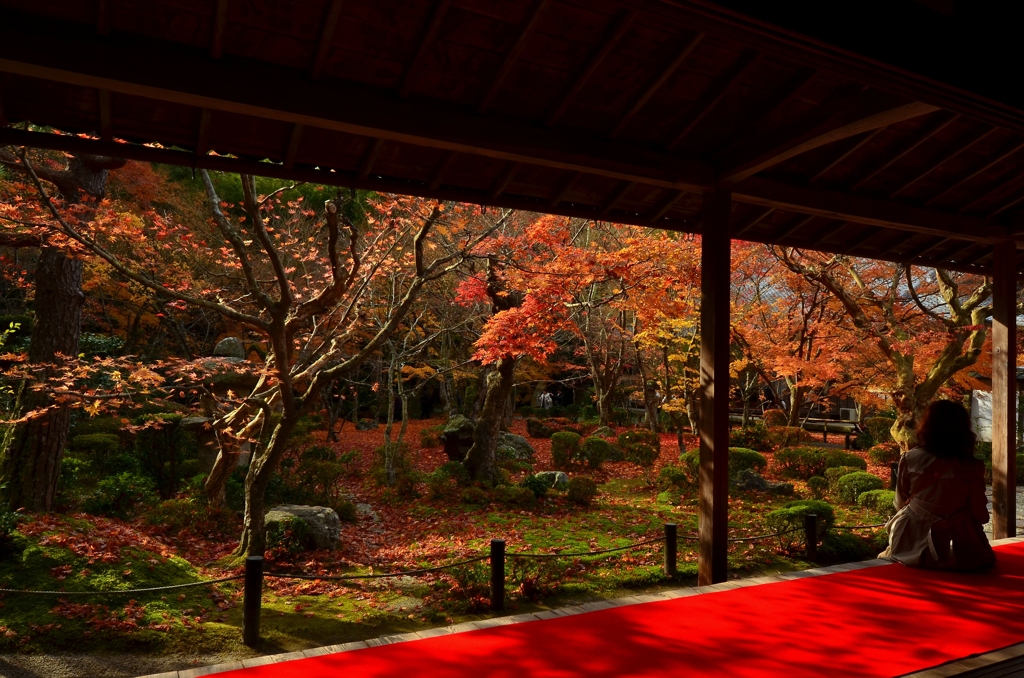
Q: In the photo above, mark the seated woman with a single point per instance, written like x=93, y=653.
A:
x=940, y=497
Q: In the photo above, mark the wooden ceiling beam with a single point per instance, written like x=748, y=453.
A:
x=927, y=132
x=659, y=213
x=220, y=22
x=846, y=154
x=863, y=209
x=203, y=133
x=793, y=226
x=1007, y=152
x=617, y=29
x=323, y=43
x=565, y=189
x=861, y=113
x=617, y=197
x=442, y=170
x=1001, y=186
x=823, y=235
x=103, y=18
x=897, y=242
x=294, y=141
x=757, y=218
x=655, y=85
x=532, y=16
x=927, y=247
x=106, y=126
x=3, y=111
x=505, y=179
x=787, y=93
x=712, y=96
x=944, y=158
x=1000, y=210
x=366, y=166
x=426, y=40
x=865, y=236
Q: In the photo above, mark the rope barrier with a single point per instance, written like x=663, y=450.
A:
x=340, y=577
x=857, y=527
x=584, y=554
x=127, y=592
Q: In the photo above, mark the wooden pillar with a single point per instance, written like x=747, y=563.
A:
x=1004, y=391
x=714, y=387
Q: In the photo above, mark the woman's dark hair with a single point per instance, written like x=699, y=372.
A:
x=946, y=431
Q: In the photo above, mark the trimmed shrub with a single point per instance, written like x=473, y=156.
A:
x=880, y=428
x=756, y=437
x=121, y=496
x=775, y=417
x=538, y=429
x=596, y=451
x=431, y=437
x=787, y=436
x=100, y=446
x=791, y=517
x=535, y=485
x=741, y=459
x=832, y=475
x=853, y=485
x=817, y=485
x=640, y=454
x=581, y=490
x=292, y=535
x=443, y=481
x=885, y=453
x=641, y=436
x=162, y=449
x=672, y=476
x=690, y=462
x=8, y=523
x=804, y=462
x=474, y=495
x=515, y=495
x=863, y=441
x=405, y=474
x=565, y=449
x=879, y=500
x=843, y=547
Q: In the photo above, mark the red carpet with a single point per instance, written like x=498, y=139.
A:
x=880, y=621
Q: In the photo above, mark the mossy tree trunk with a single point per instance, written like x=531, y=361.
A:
x=481, y=460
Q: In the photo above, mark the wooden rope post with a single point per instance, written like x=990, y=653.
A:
x=671, y=546
x=497, y=574
x=253, y=596
x=811, y=535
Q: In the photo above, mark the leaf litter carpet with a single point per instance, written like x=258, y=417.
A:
x=878, y=621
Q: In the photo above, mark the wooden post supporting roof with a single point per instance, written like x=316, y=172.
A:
x=1004, y=391
x=714, y=387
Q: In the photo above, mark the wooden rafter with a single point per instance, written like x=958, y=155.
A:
x=294, y=141
x=532, y=16
x=927, y=247
x=220, y=22
x=827, y=230
x=103, y=17
x=366, y=166
x=203, y=133
x=436, y=19
x=793, y=87
x=655, y=85
x=565, y=189
x=663, y=209
x=929, y=130
x=865, y=112
x=617, y=197
x=896, y=243
x=865, y=236
x=3, y=111
x=712, y=96
x=1013, y=203
x=323, y=43
x=793, y=226
x=944, y=158
x=752, y=221
x=619, y=26
x=106, y=126
x=442, y=170
x=1007, y=152
x=505, y=179
x=864, y=140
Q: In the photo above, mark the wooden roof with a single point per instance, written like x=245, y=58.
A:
x=619, y=110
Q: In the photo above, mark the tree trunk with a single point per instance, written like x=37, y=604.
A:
x=480, y=460
x=31, y=456
x=254, y=538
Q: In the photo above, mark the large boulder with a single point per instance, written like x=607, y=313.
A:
x=603, y=431
x=367, y=425
x=538, y=429
x=555, y=479
x=457, y=437
x=311, y=527
x=748, y=479
x=229, y=347
x=517, y=448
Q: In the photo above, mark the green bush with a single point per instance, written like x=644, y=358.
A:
x=515, y=495
x=161, y=448
x=405, y=475
x=640, y=454
x=804, y=462
x=864, y=441
x=475, y=495
x=880, y=428
x=8, y=523
x=538, y=429
x=741, y=459
x=672, y=476
x=817, y=485
x=832, y=475
x=756, y=437
x=596, y=451
x=535, y=485
x=775, y=417
x=581, y=490
x=292, y=535
x=787, y=436
x=791, y=517
x=853, y=485
x=100, y=446
x=885, y=453
x=843, y=547
x=641, y=436
x=690, y=462
x=430, y=437
x=443, y=481
x=879, y=500
x=121, y=496
x=565, y=449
